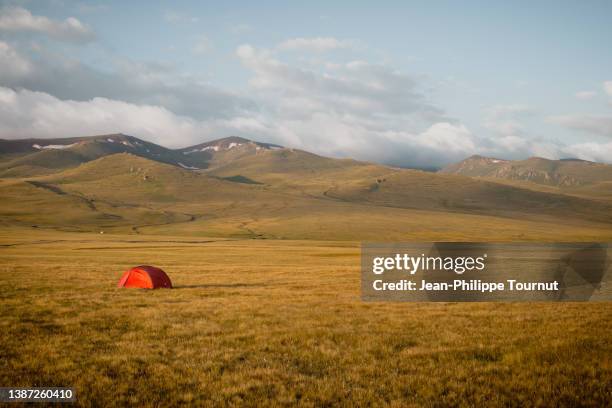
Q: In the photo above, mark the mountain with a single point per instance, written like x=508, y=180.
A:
x=282, y=167
x=235, y=187
x=28, y=157
x=565, y=173
x=221, y=151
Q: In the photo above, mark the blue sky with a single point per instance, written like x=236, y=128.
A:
x=405, y=83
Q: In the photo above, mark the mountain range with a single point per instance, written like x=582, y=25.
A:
x=235, y=187
x=41, y=156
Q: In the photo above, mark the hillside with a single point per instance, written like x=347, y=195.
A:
x=565, y=173
x=29, y=157
x=221, y=151
x=42, y=156
x=297, y=170
x=456, y=194
x=234, y=187
x=294, y=195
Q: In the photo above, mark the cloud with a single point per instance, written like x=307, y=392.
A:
x=585, y=95
x=363, y=110
x=338, y=108
x=367, y=111
x=597, y=124
x=133, y=82
x=317, y=44
x=512, y=141
x=25, y=114
x=450, y=138
x=506, y=120
x=607, y=85
x=14, y=66
x=358, y=89
x=17, y=19
x=600, y=152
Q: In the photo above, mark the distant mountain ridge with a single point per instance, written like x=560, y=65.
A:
x=227, y=143
x=558, y=173
x=26, y=157
x=241, y=188
x=229, y=155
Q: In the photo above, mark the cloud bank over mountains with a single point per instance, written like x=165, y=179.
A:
x=349, y=108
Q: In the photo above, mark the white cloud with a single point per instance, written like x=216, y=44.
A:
x=13, y=65
x=601, y=152
x=134, y=82
x=607, y=85
x=358, y=88
x=17, y=19
x=447, y=137
x=363, y=110
x=585, y=95
x=598, y=124
x=506, y=120
x=349, y=109
x=317, y=44
x=25, y=113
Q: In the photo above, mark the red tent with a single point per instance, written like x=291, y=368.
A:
x=145, y=276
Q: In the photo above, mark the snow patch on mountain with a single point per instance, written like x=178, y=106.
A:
x=188, y=167
x=39, y=147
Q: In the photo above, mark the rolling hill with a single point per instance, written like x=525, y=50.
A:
x=221, y=151
x=238, y=188
x=43, y=156
x=559, y=173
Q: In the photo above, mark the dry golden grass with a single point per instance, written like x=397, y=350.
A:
x=257, y=322
x=302, y=198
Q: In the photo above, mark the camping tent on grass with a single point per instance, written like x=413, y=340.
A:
x=145, y=276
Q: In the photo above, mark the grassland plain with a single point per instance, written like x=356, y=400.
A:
x=263, y=248
x=275, y=322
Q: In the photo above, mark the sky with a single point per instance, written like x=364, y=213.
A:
x=406, y=83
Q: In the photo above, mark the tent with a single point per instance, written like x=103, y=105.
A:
x=145, y=276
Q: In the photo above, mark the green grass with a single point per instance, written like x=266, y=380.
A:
x=275, y=322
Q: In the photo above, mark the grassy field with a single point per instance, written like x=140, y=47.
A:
x=264, y=254
x=299, y=200
x=278, y=322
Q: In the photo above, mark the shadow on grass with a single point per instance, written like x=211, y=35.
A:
x=221, y=285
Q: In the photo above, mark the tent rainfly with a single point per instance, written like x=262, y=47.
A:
x=145, y=277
